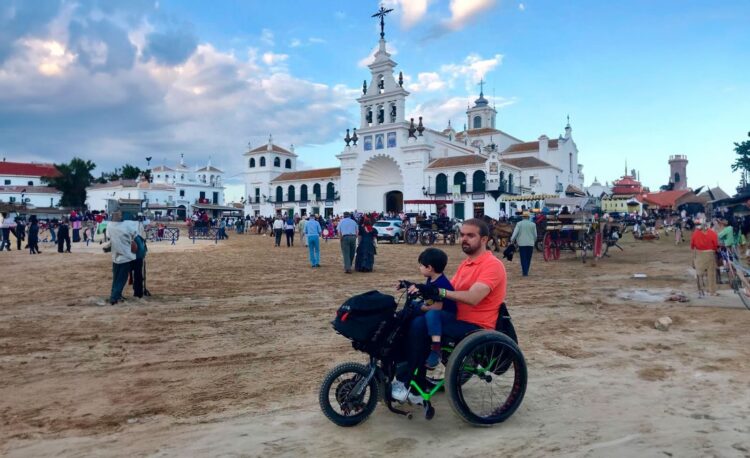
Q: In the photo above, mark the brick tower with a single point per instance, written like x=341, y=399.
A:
x=678, y=171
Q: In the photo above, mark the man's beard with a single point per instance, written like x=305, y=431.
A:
x=468, y=249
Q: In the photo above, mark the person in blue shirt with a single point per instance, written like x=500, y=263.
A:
x=432, y=262
x=312, y=232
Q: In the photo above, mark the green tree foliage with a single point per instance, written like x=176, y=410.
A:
x=742, y=162
x=72, y=182
x=130, y=172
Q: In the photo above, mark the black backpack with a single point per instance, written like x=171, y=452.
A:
x=364, y=317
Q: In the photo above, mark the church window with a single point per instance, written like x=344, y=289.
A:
x=510, y=183
x=441, y=184
x=158, y=176
x=182, y=177
x=501, y=185
x=182, y=193
x=381, y=114
x=381, y=84
x=379, y=143
x=251, y=164
x=570, y=162
x=316, y=191
x=459, y=179
x=257, y=195
x=368, y=116
x=368, y=142
x=279, y=194
x=330, y=191
x=391, y=139
x=290, y=194
x=676, y=177
x=393, y=112
x=276, y=162
x=303, y=193
x=477, y=122
x=262, y=161
x=479, y=181
x=288, y=164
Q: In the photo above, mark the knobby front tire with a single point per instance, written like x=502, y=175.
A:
x=333, y=394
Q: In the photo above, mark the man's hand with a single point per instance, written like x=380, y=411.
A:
x=429, y=292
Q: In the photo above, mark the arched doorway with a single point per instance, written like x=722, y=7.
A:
x=379, y=178
x=181, y=213
x=394, y=201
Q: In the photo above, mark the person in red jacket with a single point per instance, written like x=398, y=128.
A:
x=704, y=244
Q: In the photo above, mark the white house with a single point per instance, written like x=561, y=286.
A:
x=173, y=191
x=390, y=163
x=21, y=182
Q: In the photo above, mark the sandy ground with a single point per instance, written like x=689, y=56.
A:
x=225, y=359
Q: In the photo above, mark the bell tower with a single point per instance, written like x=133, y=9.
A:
x=678, y=171
x=383, y=100
x=481, y=115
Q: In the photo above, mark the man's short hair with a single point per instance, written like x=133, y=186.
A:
x=435, y=258
x=484, y=229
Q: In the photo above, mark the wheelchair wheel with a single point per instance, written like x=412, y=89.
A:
x=337, y=400
x=486, y=378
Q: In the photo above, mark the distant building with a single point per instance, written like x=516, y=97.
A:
x=21, y=182
x=173, y=191
x=678, y=172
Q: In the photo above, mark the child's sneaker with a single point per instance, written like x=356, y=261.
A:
x=432, y=360
x=398, y=391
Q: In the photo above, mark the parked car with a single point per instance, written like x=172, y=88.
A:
x=389, y=230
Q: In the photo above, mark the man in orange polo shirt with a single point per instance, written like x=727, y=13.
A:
x=480, y=283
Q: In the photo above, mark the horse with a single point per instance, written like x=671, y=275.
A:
x=498, y=231
x=260, y=225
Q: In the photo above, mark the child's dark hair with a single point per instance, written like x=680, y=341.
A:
x=435, y=258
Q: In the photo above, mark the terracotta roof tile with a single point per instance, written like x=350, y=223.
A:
x=457, y=161
x=527, y=162
x=529, y=146
x=28, y=169
x=264, y=148
x=332, y=172
x=665, y=198
x=30, y=189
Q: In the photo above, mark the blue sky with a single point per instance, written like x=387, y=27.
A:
x=115, y=82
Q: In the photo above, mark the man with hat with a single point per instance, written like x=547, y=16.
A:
x=525, y=234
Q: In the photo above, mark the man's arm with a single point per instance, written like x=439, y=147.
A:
x=515, y=234
x=472, y=296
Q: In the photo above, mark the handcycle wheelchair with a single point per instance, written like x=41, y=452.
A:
x=485, y=375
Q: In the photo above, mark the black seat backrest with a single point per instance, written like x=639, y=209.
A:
x=505, y=324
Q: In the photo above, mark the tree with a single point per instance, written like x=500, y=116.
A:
x=73, y=180
x=130, y=172
x=742, y=162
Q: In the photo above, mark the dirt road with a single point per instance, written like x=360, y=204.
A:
x=226, y=358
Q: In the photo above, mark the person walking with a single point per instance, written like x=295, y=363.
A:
x=5, y=228
x=301, y=230
x=33, y=235
x=525, y=234
x=63, y=235
x=704, y=243
x=365, y=260
x=348, y=232
x=289, y=231
x=121, y=235
x=75, y=221
x=278, y=228
x=312, y=232
x=20, y=233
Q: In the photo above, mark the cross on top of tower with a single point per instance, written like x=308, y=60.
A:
x=381, y=14
x=481, y=87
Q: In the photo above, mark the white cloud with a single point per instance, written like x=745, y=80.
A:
x=473, y=68
x=296, y=42
x=436, y=112
x=272, y=59
x=412, y=11
x=521, y=7
x=367, y=60
x=427, y=81
x=464, y=11
x=266, y=37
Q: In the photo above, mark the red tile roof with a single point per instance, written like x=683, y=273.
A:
x=331, y=172
x=28, y=169
x=529, y=146
x=527, y=162
x=264, y=148
x=664, y=199
x=29, y=189
x=457, y=161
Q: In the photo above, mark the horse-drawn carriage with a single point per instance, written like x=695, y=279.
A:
x=576, y=234
x=431, y=230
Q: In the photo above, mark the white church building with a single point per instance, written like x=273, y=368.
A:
x=390, y=163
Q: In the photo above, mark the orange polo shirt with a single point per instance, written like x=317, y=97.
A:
x=486, y=269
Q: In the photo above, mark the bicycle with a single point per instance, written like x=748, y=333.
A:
x=481, y=365
x=737, y=275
